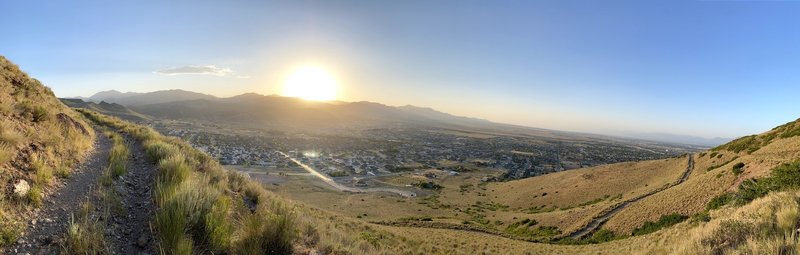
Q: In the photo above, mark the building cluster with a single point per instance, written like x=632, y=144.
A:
x=389, y=150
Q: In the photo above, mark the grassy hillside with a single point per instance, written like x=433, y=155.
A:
x=40, y=141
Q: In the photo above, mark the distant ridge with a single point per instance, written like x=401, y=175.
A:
x=135, y=98
x=279, y=111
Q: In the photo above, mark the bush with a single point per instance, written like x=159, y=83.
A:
x=663, y=222
x=750, y=143
x=428, y=185
x=719, y=201
x=784, y=177
x=604, y=235
x=338, y=174
x=738, y=168
x=700, y=217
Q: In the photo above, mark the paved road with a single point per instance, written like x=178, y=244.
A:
x=327, y=179
x=597, y=222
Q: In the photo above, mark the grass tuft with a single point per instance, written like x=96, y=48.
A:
x=7, y=153
x=85, y=236
x=118, y=156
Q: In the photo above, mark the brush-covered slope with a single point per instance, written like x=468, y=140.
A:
x=718, y=171
x=40, y=140
x=569, y=199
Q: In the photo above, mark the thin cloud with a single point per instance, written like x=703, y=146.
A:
x=197, y=70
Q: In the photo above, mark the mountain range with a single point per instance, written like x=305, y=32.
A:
x=274, y=111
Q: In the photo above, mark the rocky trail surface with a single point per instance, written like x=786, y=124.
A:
x=131, y=232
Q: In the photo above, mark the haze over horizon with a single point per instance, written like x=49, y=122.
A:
x=608, y=68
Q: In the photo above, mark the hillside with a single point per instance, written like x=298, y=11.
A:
x=67, y=190
x=41, y=140
x=103, y=107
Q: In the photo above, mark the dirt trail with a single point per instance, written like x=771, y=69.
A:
x=598, y=221
x=131, y=233
x=47, y=228
x=128, y=232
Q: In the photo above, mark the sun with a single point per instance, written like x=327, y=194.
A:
x=310, y=83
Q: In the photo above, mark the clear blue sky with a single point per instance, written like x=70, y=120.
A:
x=707, y=68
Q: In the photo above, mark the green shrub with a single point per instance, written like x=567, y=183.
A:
x=604, y=235
x=719, y=201
x=338, y=174
x=428, y=185
x=721, y=164
x=750, y=143
x=784, y=177
x=700, y=217
x=663, y=222
x=526, y=228
x=790, y=129
x=738, y=168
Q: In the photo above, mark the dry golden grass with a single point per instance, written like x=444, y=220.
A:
x=765, y=226
x=573, y=187
x=692, y=196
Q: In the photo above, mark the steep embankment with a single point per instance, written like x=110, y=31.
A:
x=41, y=141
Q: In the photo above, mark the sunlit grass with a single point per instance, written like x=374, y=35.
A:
x=84, y=235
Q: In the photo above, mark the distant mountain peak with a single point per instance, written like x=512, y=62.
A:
x=135, y=98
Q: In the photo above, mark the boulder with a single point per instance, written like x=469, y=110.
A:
x=21, y=189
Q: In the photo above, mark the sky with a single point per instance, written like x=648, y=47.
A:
x=701, y=68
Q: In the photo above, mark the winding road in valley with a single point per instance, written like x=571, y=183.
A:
x=327, y=179
x=602, y=218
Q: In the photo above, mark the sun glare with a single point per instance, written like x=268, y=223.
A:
x=310, y=83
